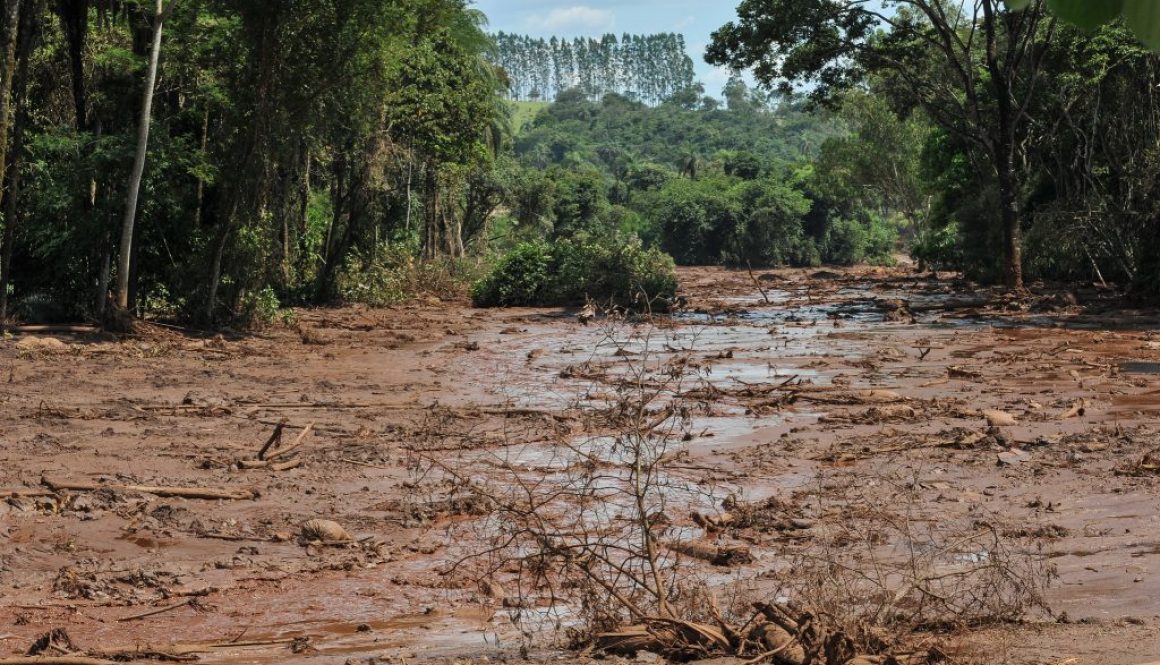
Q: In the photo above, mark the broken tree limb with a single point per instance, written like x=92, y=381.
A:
x=162, y=610
x=55, y=660
x=209, y=494
x=250, y=464
x=287, y=465
x=282, y=452
x=275, y=439
x=176, y=650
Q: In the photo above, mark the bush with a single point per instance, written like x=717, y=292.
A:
x=938, y=249
x=520, y=278
x=851, y=241
x=568, y=272
x=393, y=274
x=772, y=231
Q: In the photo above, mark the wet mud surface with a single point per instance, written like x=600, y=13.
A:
x=822, y=406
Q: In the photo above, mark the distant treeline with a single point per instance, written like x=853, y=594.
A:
x=648, y=68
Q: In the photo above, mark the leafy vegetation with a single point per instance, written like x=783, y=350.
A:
x=326, y=150
x=609, y=271
x=1017, y=143
x=285, y=140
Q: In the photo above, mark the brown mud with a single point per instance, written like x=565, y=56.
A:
x=1032, y=418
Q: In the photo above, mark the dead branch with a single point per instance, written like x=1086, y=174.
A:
x=143, y=615
x=175, y=492
x=55, y=660
x=297, y=442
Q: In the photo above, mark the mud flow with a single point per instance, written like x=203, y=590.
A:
x=900, y=452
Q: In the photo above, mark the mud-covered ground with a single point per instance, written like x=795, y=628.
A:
x=832, y=416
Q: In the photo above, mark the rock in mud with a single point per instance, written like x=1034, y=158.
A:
x=327, y=531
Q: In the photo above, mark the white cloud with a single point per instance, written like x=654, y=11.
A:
x=577, y=19
x=684, y=23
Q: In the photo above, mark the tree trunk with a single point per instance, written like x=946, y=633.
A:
x=204, y=143
x=1012, y=228
x=1003, y=150
x=126, y=247
x=74, y=18
x=26, y=37
x=431, y=222
x=215, y=272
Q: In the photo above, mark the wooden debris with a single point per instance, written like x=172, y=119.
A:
x=325, y=531
x=718, y=555
x=996, y=418
x=162, y=610
x=274, y=440
x=1077, y=409
x=56, y=660
x=208, y=494
x=294, y=445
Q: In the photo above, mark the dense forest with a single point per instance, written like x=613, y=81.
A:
x=282, y=139
x=216, y=160
x=649, y=68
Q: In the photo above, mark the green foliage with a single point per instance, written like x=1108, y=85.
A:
x=852, y=241
x=391, y=274
x=259, y=309
x=523, y=277
x=608, y=269
x=938, y=248
x=769, y=230
x=693, y=217
x=1142, y=17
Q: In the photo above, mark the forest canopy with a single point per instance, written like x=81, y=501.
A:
x=218, y=160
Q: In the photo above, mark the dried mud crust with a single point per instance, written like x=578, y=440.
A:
x=830, y=395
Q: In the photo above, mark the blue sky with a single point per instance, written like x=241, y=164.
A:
x=696, y=19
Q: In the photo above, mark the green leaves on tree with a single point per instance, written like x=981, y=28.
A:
x=1142, y=17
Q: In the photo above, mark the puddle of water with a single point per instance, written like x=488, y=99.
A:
x=1140, y=368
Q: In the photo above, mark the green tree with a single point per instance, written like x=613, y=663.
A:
x=972, y=70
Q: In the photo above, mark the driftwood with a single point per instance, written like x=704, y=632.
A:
x=718, y=555
x=209, y=494
x=274, y=440
x=271, y=451
x=177, y=651
x=266, y=464
x=296, y=443
x=56, y=660
x=144, y=615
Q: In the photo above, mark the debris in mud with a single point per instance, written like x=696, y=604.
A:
x=422, y=512
x=55, y=642
x=718, y=555
x=326, y=532
x=1148, y=465
x=210, y=494
x=996, y=418
x=47, y=345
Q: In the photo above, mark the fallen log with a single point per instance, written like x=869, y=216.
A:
x=209, y=494
x=56, y=660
